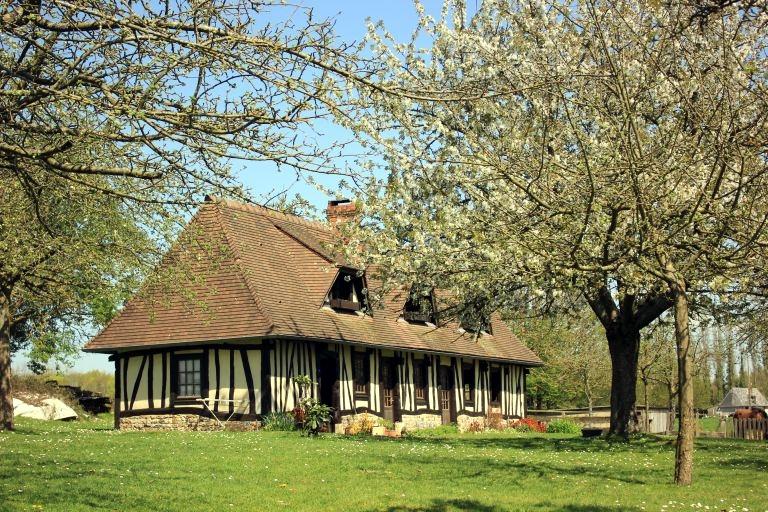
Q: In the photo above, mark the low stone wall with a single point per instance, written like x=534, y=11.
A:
x=184, y=422
x=418, y=421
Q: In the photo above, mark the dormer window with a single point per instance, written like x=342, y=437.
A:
x=420, y=306
x=347, y=292
x=476, y=322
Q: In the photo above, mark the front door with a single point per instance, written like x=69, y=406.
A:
x=328, y=380
x=389, y=398
x=446, y=395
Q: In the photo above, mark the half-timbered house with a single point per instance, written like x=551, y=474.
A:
x=259, y=299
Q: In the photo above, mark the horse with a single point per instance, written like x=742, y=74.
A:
x=752, y=413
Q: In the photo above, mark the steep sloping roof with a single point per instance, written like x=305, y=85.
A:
x=266, y=273
x=739, y=397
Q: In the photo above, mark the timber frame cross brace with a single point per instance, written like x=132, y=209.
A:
x=237, y=403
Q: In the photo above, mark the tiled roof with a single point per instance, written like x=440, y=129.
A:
x=739, y=397
x=254, y=272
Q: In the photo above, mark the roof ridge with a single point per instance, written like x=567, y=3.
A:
x=270, y=212
x=326, y=257
x=242, y=273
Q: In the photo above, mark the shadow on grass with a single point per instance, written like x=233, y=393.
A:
x=458, y=505
x=549, y=444
x=754, y=463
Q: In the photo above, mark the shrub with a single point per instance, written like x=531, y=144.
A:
x=441, y=431
x=316, y=415
x=563, y=427
x=279, y=421
x=360, y=424
x=529, y=425
x=475, y=427
x=495, y=421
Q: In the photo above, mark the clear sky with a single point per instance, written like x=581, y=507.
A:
x=399, y=17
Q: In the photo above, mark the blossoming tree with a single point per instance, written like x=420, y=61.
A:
x=615, y=149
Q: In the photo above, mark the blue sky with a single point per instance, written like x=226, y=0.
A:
x=399, y=17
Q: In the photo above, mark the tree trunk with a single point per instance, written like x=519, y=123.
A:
x=6, y=395
x=624, y=346
x=686, y=431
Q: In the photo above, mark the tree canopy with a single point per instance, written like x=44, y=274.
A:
x=612, y=148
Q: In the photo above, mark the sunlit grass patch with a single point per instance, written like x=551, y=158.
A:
x=86, y=466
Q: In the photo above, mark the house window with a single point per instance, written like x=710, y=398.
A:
x=360, y=373
x=347, y=292
x=468, y=380
x=420, y=306
x=189, y=376
x=420, y=380
x=495, y=385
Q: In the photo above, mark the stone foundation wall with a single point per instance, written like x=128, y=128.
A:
x=418, y=421
x=184, y=422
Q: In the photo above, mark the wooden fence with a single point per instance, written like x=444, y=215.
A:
x=752, y=429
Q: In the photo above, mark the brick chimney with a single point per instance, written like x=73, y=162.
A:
x=340, y=210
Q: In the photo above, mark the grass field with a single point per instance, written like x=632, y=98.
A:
x=86, y=466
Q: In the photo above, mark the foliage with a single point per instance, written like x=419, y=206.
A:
x=439, y=431
x=476, y=426
x=528, y=425
x=563, y=427
x=117, y=119
x=602, y=148
x=278, y=421
x=91, y=380
x=316, y=415
x=494, y=421
x=577, y=366
x=360, y=424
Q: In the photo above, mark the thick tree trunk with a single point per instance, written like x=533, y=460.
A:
x=6, y=395
x=624, y=346
x=687, y=429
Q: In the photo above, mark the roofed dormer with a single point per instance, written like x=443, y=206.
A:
x=348, y=291
x=420, y=306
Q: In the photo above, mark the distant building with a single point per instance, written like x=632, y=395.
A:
x=739, y=398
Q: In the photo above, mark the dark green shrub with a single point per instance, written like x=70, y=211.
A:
x=563, y=427
x=278, y=421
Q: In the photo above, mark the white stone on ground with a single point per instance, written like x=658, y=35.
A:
x=55, y=409
x=28, y=411
x=51, y=409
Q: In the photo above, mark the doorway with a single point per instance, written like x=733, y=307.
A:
x=328, y=380
x=445, y=393
x=390, y=403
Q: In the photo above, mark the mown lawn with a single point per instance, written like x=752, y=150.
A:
x=86, y=466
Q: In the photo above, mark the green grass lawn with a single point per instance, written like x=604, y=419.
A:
x=86, y=466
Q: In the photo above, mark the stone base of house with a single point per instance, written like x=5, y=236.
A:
x=419, y=421
x=182, y=422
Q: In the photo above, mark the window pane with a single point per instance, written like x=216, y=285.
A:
x=196, y=365
x=196, y=378
x=182, y=379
